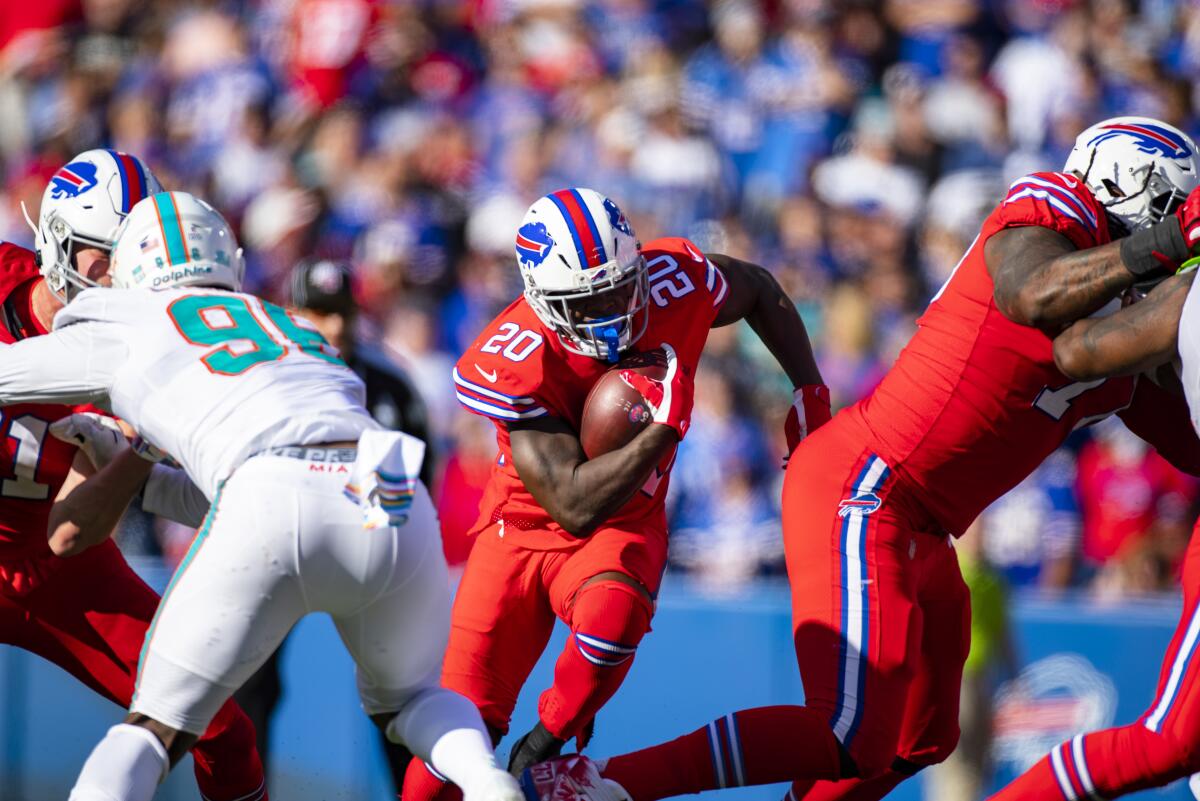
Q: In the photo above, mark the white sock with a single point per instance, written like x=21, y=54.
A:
x=444, y=728
x=127, y=765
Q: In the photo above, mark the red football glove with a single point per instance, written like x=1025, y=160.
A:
x=810, y=410
x=1188, y=215
x=670, y=399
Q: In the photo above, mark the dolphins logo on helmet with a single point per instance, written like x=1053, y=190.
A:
x=533, y=243
x=1152, y=139
x=73, y=180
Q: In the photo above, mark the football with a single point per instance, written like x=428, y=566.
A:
x=615, y=412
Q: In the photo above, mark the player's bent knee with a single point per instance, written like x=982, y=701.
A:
x=608, y=620
x=873, y=752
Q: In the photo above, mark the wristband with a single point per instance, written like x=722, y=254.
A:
x=145, y=449
x=1154, y=252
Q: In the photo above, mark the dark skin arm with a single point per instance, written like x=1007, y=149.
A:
x=581, y=493
x=578, y=492
x=1042, y=280
x=756, y=297
x=1138, y=338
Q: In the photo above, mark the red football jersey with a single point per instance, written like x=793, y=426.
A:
x=33, y=464
x=974, y=402
x=518, y=369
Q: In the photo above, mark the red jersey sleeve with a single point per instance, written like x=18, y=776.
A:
x=1056, y=201
x=677, y=268
x=501, y=374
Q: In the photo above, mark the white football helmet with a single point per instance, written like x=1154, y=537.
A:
x=174, y=239
x=1140, y=169
x=83, y=205
x=575, y=250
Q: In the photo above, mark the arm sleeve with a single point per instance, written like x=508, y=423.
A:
x=1055, y=201
x=171, y=494
x=504, y=387
x=71, y=365
x=1161, y=418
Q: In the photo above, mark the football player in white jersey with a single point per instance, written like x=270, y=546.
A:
x=314, y=507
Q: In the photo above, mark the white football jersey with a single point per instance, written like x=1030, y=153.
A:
x=209, y=376
x=1188, y=365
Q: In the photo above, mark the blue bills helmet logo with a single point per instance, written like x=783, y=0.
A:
x=73, y=180
x=863, y=503
x=1150, y=139
x=533, y=244
x=617, y=218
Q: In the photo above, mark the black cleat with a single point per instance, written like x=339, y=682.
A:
x=536, y=746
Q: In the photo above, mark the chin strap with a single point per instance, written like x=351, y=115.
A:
x=612, y=340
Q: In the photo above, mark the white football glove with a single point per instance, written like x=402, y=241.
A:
x=99, y=437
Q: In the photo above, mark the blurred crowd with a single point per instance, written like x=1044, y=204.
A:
x=851, y=146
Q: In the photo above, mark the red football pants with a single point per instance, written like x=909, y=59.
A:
x=90, y=617
x=880, y=612
x=1162, y=746
x=504, y=613
x=881, y=619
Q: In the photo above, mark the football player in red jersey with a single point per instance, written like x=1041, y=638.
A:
x=872, y=500
x=561, y=535
x=87, y=613
x=1161, y=746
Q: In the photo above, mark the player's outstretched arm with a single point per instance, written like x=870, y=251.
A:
x=86, y=511
x=70, y=365
x=756, y=297
x=1137, y=338
x=581, y=493
x=1043, y=281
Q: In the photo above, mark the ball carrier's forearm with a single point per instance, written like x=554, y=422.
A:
x=581, y=493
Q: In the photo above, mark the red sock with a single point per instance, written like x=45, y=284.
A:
x=608, y=620
x=754, y=746
x=422, y=784
x=1107, y=763
x=226, y=760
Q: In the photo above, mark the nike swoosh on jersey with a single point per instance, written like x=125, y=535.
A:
x=489, y=376
x=692, y=252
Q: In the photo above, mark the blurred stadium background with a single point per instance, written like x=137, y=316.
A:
x=852, y=147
